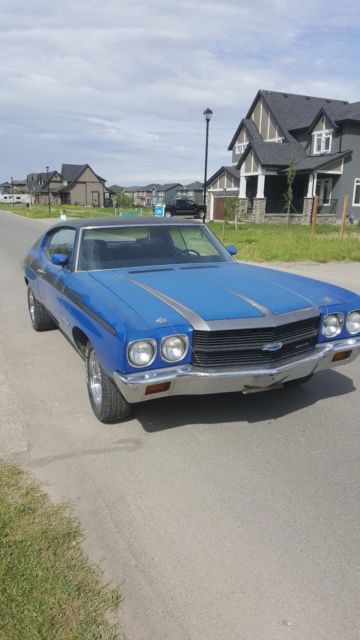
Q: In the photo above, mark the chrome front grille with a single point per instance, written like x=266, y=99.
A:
x=244, y=347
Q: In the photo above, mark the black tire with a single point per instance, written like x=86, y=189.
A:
x=107, y=403
x=39, y=317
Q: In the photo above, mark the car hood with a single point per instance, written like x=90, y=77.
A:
x=216, y=291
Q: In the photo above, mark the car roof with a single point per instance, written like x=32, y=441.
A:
x=118, y=221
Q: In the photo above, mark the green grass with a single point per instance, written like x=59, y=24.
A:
x=48, y=591
x=42, y=211
x=290, y=243
x=255, y=242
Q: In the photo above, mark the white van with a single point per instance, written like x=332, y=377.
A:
x=15, y=198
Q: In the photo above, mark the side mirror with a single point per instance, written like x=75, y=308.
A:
x=60, y=259
x=231, y=249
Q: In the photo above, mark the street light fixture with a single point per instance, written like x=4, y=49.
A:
x=48, y=187
x=207, y=115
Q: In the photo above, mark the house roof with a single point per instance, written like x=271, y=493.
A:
x=294, y=111
x=170, y=185
x=311, y=163
x=194, y=186
x=233, y=171
x=72, y=172
x=350, y=113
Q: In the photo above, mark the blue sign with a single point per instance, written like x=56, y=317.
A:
x=159, y=210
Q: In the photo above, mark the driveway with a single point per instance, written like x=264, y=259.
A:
x=224, y=517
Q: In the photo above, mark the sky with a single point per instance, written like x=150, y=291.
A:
x=122, y=85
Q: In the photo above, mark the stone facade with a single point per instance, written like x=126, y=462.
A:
x=259, y=207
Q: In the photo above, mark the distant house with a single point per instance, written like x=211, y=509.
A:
x=83, y=186
x=45, y=186
x=193, y=191
x=224, y=183
x=73, y=185
x=320, y=136
x=150, y=194
x=5, y=187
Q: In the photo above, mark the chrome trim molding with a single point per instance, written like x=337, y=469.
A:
x=189, y=380
x=263, y=310
x=274, y=320
x=196, y=321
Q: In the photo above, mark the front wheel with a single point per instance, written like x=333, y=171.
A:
x=108, y=404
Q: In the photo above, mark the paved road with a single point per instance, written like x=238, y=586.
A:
x=228, y=517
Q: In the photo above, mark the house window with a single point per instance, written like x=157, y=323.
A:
x=322, y=142
x=278, y=139
x=323, y=190
x=240, y=147
x=356, y=195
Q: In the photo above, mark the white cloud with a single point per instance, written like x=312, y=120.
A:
x=122, y=85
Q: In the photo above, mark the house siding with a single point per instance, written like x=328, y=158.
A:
x=351, y=140
x=82, y=192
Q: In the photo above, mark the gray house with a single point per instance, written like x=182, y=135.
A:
x=320, y=136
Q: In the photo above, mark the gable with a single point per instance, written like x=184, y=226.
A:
x=264, y=121
x=322, y=124
x=223, y=179
x=251, y=164
x=88, y=175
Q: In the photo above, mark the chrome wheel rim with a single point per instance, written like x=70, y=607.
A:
x=95, y=379
x=32, y=306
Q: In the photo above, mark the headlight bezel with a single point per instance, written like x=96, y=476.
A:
x=352, y=333
x=341, y=318
x=184, y=339
x=149, y=341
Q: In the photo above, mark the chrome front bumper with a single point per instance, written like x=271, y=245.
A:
x=189, y=380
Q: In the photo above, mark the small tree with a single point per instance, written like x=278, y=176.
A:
x=289, y=193
x=231, y=207
x=124, y=200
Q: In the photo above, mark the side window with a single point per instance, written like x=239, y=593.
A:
x=61, y=241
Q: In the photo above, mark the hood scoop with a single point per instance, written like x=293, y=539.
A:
x=151, y=270
x=199, y=266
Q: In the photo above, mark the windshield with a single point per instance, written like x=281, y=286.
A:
x=116, y=247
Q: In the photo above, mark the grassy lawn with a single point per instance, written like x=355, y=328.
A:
x=290, y=243
x=48, y=591
x=42, y=211
x=255, y=242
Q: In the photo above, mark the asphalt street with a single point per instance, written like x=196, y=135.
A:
x=224, y=517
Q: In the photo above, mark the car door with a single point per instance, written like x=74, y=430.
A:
x=53, y=276
x=182, y=208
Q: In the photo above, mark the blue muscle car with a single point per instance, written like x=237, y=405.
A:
x=159, y=307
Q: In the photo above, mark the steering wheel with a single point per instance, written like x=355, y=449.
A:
x=187, y=252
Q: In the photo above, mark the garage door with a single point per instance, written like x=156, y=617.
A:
x=219, y=203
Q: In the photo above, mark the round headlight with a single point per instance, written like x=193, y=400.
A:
x=353, y=322
x=174, y=348
x=332, y=325
x=141, y=353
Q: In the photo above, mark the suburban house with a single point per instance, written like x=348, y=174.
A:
x=319, y=137
x=193, y=191
x=76, y=184
x=154, y=193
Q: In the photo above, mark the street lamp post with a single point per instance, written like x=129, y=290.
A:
x=12, y=190
x=48, y=187
x=207, y=115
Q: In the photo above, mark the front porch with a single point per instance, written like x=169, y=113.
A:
x=264, y=196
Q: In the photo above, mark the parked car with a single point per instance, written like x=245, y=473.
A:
x=159, y=308
x=184, y=208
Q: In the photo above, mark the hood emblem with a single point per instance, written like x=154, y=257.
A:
x=272, y=346
x=161, y=320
